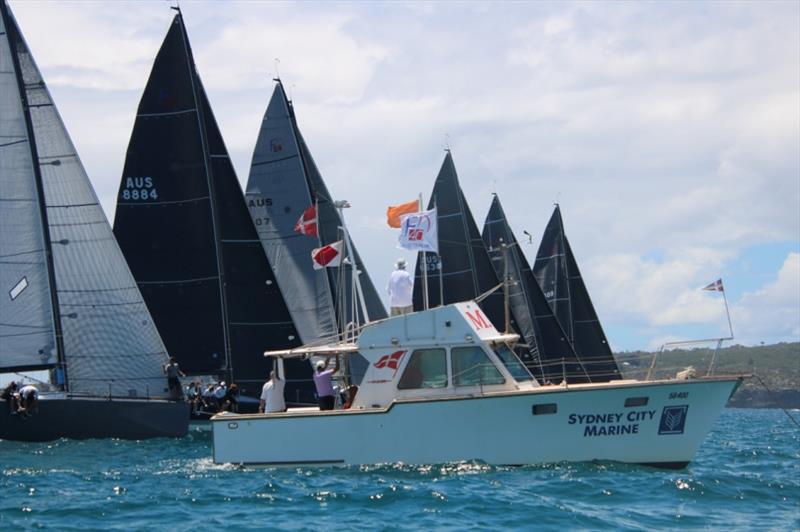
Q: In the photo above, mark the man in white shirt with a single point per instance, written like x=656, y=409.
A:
x=401, y=290
x=272, y=395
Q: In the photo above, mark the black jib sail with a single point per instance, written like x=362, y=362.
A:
x=560, y=279
x=466, y=269
x=550, y=355
x=284, y=182
x=183, y=225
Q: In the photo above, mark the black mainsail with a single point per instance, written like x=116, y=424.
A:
x=560, y=279
x=69, y=301
x=284, y=181
x=183, y=224
x=549, y=355
x=467, y=270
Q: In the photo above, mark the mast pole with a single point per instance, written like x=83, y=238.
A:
x=358, y=293
x=58, y=332
x=425, y=295
x=506, y=306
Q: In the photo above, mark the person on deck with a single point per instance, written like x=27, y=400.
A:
x=401, y=290
x=272, y=394
x=11, y=394
x=172, y=371
x=323, y=380
x=28, y=399
x=230, y=401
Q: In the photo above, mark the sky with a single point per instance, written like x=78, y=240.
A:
x=668, y=132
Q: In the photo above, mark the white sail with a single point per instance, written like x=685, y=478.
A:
x=110, y=343
x=27, y=335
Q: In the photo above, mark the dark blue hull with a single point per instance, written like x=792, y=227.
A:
x=95, y=417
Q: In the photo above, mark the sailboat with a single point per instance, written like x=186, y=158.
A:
x=551, y=357
x=558, y=275
x=463, y=269
x=70, y=306
x=183, y=225
x=284, y=183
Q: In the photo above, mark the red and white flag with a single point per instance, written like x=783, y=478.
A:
x=716, y=286
x=307, y=224
x=327, y=256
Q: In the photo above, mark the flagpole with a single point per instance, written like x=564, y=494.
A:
x=727, y=311
x=424, y=268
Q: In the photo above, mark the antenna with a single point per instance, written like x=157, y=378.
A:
x=446, y=144
x=558, y=197
x=530, y=236
x=277, y=70
x=176, y=7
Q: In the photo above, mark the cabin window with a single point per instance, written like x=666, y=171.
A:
x=427, y=368
x=472, y=367
x=636, y=401
x=512, y=363
x=547, y=408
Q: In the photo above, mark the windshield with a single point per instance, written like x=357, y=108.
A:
x=512, y=363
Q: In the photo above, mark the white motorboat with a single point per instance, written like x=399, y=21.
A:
x=444, y=385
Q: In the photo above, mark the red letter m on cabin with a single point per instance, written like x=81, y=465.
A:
x=478, y=320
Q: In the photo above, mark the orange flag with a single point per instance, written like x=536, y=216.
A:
x=394, y=213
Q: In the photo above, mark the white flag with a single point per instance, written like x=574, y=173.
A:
x=418, y=232
x=327, y=256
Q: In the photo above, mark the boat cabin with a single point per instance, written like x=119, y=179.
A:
x=445, y=352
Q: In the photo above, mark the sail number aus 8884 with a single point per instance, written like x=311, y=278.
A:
x=139, y=189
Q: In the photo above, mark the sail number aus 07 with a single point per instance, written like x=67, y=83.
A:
x=139, y=189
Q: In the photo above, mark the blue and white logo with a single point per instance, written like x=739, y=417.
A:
x=673, y=418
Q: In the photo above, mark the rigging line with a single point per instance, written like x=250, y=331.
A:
x=275, y=160
x=69, y=206
x=211, y=183
x=39, y=250
x=22, y=326
x=171, y=113
x=179, y=281
x=785, y=411
x=173, y=202
x=14, y=143
x=57, y=156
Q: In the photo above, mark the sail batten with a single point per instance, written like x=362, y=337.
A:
x=557, y=273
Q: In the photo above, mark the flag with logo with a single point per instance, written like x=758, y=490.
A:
x=307, y=224
x=327, y=256
x=418, y=232
x=716, y=286
x=396, y=212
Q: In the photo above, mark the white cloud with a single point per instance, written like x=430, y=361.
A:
x=773, y=311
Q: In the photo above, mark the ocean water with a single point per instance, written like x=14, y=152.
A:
x=746, y=475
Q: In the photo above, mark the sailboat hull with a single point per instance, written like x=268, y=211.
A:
x=96, y=417
x=660, y=424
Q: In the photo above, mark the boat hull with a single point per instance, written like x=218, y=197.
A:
x=590, y=422
x=94, y=417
